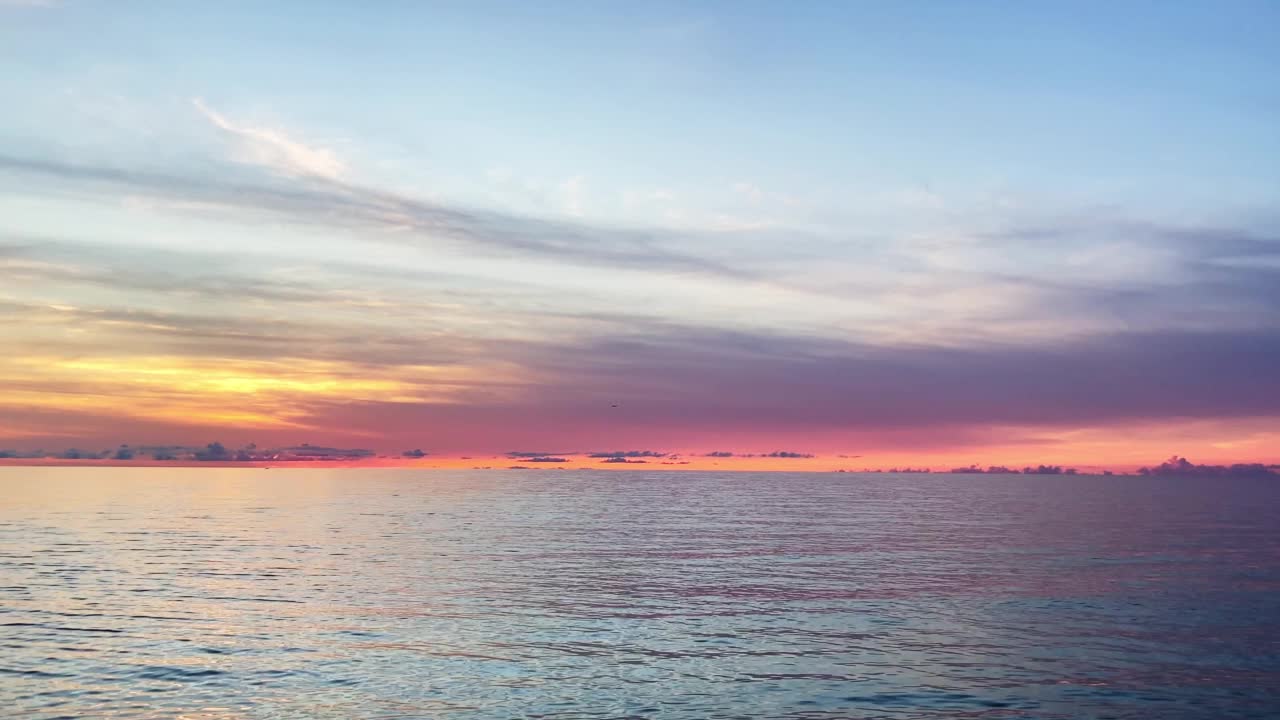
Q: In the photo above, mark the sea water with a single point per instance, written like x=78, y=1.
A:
x=368, y=593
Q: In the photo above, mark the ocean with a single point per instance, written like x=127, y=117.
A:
x=211, y=594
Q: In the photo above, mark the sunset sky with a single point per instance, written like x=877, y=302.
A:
x=921, y=233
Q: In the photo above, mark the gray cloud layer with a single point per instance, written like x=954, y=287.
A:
x=341, y=204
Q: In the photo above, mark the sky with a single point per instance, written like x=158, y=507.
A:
x=916, y=233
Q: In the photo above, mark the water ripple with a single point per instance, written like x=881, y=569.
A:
x=221, y=594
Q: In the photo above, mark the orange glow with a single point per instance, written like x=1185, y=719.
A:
x=219, y=392
x=1089, y=450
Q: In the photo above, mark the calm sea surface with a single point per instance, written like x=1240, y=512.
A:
x=311, y=593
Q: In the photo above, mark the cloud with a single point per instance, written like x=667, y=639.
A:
x=628, y=454
x=1200, y=338
x=48, y=261
x=782, y=454
x=1019, y=280
x=574, y=192
x=192, y=336
x=336, y=203
x=275, y=150
x=671, y=378
x=290, y=294
x=734, y=381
